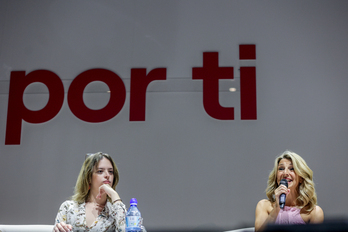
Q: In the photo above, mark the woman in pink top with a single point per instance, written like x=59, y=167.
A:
x=301, y=200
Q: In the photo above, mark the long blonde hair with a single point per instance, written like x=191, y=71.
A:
x=307, y=197
x=84, y=179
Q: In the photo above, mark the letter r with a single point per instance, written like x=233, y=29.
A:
x=139, y=83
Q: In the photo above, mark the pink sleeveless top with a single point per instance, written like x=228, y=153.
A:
x=290, y=215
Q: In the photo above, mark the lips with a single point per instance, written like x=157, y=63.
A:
x=106, y=182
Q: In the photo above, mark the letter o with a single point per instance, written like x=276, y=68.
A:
x=116, y=101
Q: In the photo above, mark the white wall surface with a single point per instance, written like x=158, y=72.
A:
x=186, y=169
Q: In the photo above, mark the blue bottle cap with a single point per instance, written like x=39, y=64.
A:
x=133, y=201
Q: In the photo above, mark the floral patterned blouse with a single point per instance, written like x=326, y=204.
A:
x=111, y=219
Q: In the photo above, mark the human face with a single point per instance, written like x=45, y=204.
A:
x=103, y=173
x=286, y=171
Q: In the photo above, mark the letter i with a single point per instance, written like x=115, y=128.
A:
x=248, y=83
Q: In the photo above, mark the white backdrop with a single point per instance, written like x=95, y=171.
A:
x=186, y=169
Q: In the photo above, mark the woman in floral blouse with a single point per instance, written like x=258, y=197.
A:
x=95, y=205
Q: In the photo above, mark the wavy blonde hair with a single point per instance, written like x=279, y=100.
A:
x=307, y=197
x=82, y=190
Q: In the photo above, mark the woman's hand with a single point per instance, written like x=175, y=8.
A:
x=62, y=227
x=108, y=190
x=281, y=189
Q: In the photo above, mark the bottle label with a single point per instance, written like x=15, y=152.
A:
x=132, y=221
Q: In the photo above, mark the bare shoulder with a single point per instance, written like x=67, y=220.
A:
x=264, y=204
x=263, y=209
x=317, y=215
x=319, y=210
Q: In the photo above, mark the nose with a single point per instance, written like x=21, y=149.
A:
x=286, y=172
x=107, y=174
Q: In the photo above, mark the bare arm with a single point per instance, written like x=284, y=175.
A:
x=265, y=213
x=317, y=215
x=108, y=190
x=263, y=216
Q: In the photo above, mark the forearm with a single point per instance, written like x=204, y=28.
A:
x=114, y=196
x=261, y=224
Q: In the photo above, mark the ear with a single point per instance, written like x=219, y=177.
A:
x=301, y=180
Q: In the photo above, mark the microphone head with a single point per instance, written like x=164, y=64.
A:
x=284, y=182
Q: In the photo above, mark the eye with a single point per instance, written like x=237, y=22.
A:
x=281, y=169
x=111, y=172
x=99, y=171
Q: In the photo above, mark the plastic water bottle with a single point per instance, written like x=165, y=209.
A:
x=133, y=217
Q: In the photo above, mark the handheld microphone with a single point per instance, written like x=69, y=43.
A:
x=282, y=196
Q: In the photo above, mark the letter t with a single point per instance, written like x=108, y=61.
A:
x=210, y=73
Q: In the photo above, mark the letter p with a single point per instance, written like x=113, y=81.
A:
x=17, y=111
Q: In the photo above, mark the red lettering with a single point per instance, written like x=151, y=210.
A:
x=211, y=73
x=115, y=104
x=247, y=51
x=248, y=93
x=139, y=83
x=248, y=105
x=17, y=111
